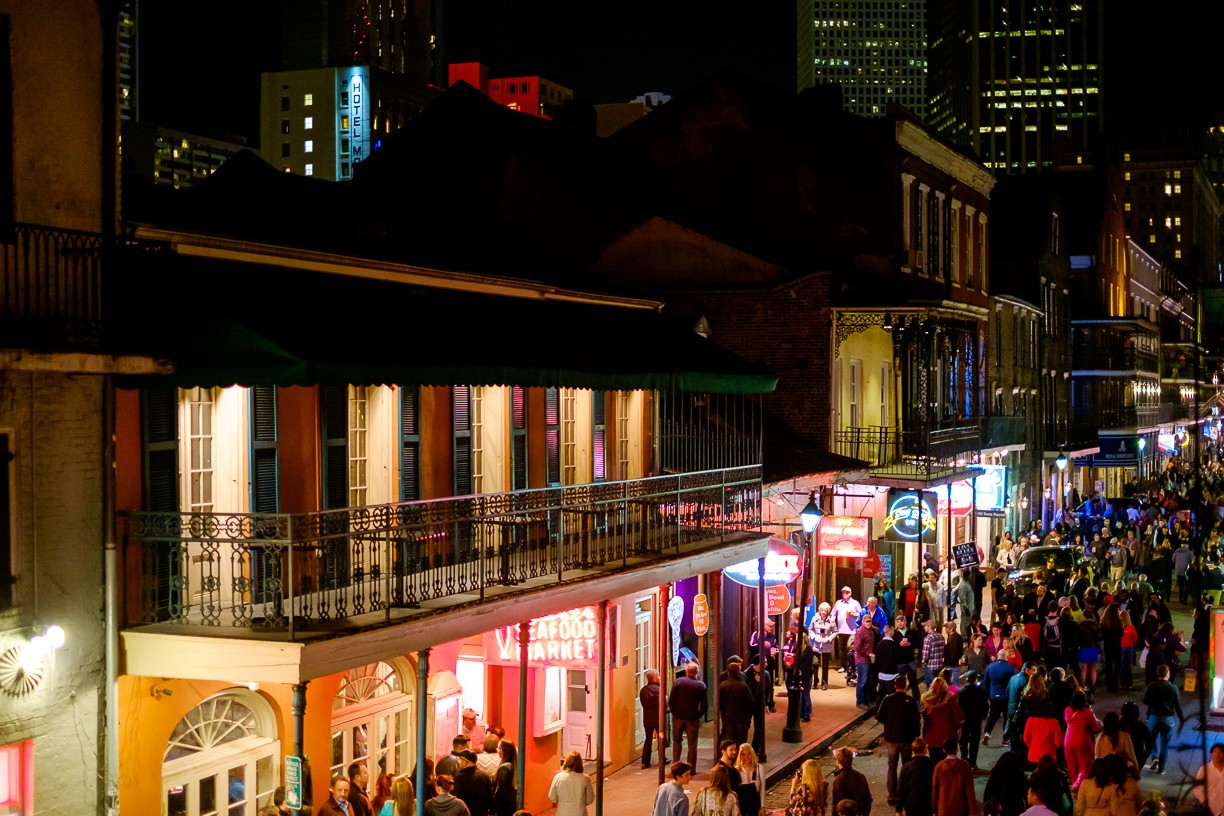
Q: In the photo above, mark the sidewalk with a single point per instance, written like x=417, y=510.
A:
x=630, y=791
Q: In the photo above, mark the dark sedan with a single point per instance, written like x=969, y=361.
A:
x=1054, y=563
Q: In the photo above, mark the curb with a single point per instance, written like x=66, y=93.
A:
x=774, y=776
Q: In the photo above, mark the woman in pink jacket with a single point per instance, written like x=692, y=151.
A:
x=1082, y=728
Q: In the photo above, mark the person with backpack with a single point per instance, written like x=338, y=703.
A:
x=1051, y=639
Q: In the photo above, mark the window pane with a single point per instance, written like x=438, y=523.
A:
x=236, y=793
x=176, y=800
x=208, y=796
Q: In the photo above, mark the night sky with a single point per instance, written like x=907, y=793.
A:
x=200, y=72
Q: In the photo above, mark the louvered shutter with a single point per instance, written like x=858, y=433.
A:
x=552, y=434
x=461, y=403
x=599, y=435
x=410, y=444
x=264, y=496
x=518, y=437
x=159, y=414
x=333, y=403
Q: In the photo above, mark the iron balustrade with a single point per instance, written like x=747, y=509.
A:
x=1121, y=360
x=50, y=286
x=282, y=570
x=911, y=453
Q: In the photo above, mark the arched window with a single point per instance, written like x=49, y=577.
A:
x=223, y=757
x=374, y=720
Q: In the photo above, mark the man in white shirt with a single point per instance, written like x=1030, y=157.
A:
x=845, y=612
x=1209, y=783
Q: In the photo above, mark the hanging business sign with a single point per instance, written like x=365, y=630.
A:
x=911, y=516
x=1117, y=451
x=701, y=614
x=991, y=489
x=568, y=639
x=962, y=498
x=777, y=600
x=844, y=536
x=966, y=555
x=783, y=563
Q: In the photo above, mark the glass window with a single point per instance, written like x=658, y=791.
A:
x=307, y=123
x=309, y=171
x=308, y=99
x=308, y=146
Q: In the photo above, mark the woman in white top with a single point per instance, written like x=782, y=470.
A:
x=751, y=793
x=571, y=790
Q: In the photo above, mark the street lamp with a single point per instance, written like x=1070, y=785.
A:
x=809, y=518
x=1061, y=461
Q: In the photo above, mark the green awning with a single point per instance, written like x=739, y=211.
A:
x=223, y=323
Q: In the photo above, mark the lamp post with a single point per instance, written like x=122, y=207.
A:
x=809, y=517
x=1060, y=497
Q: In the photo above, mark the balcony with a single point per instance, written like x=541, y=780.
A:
x=50, y=287
x=911, y=454
x=1130, y=417
x=1002, y=431
x=1123, y=361
x=285, y=574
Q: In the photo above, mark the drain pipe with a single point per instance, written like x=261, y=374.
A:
x=422, y=701
x=111, y=571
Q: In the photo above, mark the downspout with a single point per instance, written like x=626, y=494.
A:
x=111, y=612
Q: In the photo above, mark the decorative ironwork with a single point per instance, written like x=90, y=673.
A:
x=366, y=559
x=849, y=323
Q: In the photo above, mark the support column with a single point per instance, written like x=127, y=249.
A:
x=758, y=716
x=422, y=701
x=520, y=768
x=298, y=706
x=600, y=690
x=664, y=659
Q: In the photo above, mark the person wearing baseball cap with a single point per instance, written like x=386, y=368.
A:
x=846, y=612
x=474, y=731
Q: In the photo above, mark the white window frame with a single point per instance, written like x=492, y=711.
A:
x=358, y=445
x=569, y=436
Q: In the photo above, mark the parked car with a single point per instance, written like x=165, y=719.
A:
x=1051, y=561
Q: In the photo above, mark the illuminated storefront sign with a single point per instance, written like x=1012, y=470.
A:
x=701, y=615
x=844, y=536
x=911, y=516
x=565, y=639
x=783, y=563
x=358, y=115
x=991, y=486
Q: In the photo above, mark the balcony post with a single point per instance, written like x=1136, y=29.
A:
x=524, y=640
x=422, y=701
x=600, y=684
x=289, y=589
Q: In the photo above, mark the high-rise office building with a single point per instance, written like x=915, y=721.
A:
x=1020, y=82
x=876, y=50
x=129, y=62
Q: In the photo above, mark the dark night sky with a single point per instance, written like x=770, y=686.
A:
x=201, y=72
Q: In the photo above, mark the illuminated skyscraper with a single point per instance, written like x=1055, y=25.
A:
x=1017, y=82
x=876, y=50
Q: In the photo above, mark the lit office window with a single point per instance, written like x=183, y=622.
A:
x=308, y=123
x=308, y=99
x=309, y=169
x=308, y=147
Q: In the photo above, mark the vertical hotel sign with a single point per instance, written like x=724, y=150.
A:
x=358, y=113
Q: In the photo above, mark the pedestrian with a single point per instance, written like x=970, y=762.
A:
x=505, y=790
x=1135, y=727
x=718, y=797
x=446, y=804
x=687, y=702
x=649, y=698
x=872, y=611
x=670, y=798
x=1032, y=694
x=489, y=757
x=1037, y=802
x=898, y=713
x=1108, y=790
x=1042, y=736
x=1089, y=634
x=845, y=612
x=1111, y=640
x=954, y=651
x=974, y=705
x=942, y=717
x=824, y=635
x=1114, y=739
x=760, y=683
x=932, y=652
x=472, y=786
x=1079, y=747
x=1048, y=778
x=728, y=753
x=886, y=668
x=967, y=599
x=996, y=641
x=1006, y=787
x=1163, y=701
x=1060, y=692
x=976, y=657
x=337, y=803
x=997, y=680
x=935, y=597
x=907, y=650
x=809, y=793
x=402, y=801
x=1126, y=658
x=751, y=790
x=734, y=706
x=571, y=790
x=887, y=598
x=1209, y=782
x=1051, y=639
x=849, y=783
x=358, y=801
x=952, y=791
x=914, y=796
x=801, y=672
x=771, y=642
x=864, y=659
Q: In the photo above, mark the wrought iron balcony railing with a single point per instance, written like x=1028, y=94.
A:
x=1121, y=360
x=911, y=453
x=50, y=287
x=1005, y=430
x=292, y=571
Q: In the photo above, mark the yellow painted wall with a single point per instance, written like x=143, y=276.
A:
x=874, y=347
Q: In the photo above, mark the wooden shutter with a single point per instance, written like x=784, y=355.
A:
x=410, y=443
x=6, y=529
x=159, y=427
x=264, y=494
x=333, y=401
x=552, y=435
x=599, y=435
x=461, y=415
x=518, y=438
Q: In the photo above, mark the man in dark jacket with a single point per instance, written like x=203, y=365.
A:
x=974, y=705
x=899, y=715
x=909, y=644
x=649, y=697
x=687, y=702
x=472, y=785
x=760, y=683
x=849, y=783
x=915, y=782
x=734, y=706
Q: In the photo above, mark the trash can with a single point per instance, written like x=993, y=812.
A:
x=1191, y=679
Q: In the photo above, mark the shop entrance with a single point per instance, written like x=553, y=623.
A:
x=642, y=660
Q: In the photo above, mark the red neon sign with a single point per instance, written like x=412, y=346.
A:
x=844, y=536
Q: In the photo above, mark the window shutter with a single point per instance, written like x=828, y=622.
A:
x=410, y=444
x=6, y=541
x=518, y=437
x=264, y=496
x=159, y=415
x=599, y=435
x=552, y=434
x=461, y=410
x=334, y=403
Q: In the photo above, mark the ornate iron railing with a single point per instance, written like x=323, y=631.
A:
x=910, y=453
x=292, y=570
x=50, y=286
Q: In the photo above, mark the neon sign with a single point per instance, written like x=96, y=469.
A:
x=565, y=639
x=910, y=516
x=844, y=536
x=783, y=563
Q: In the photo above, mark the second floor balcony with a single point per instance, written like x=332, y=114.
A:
x=911, y=454
x=291, y=576
x=1123, y=362
x=50, y=288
